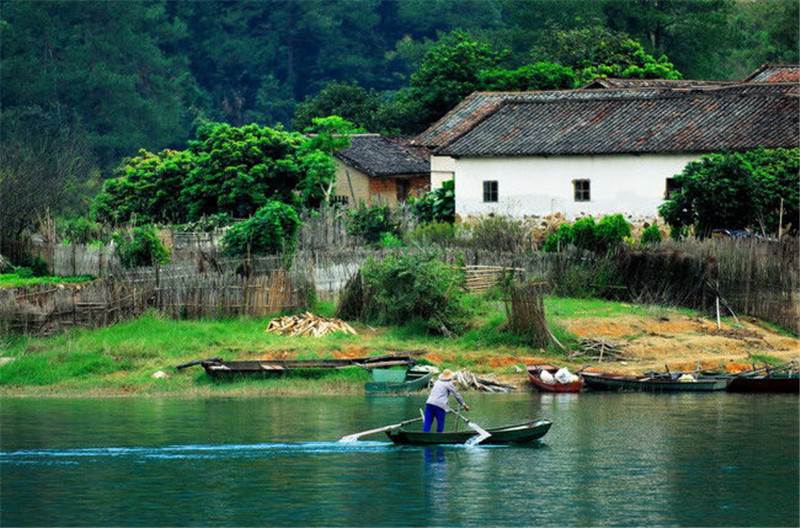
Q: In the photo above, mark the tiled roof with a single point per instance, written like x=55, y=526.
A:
x=776, y=73
x=477, y=105
x=377, y=156
x=726, y=118
x=610, y=82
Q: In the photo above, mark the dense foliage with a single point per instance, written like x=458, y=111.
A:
x=438, y=205
x=230, y=171
x=271, y=230
x=398, y=289
x=86, y=84
x=140, y=246
x=370, y=222
x=586, y=234
x=650, y=235
x=737, y=191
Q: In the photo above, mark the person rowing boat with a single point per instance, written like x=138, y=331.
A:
x=436, y=406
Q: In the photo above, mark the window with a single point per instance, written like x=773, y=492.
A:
x=582, y=190
x=490, y=191
x=672, y=187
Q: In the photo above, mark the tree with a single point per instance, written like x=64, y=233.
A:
x=114, y=67
x=325, y=137
x=271, y=230
x=145, y=189
x=598, y=52
x=536, y=76
x=348, y=100
x=43, y=164
x=449, y=72
x=737, y=191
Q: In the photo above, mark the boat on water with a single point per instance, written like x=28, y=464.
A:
x=398, y=380
x=535, y=377
x=653, y=382
x=782, y=382
x=268, y=368
x=511, y=434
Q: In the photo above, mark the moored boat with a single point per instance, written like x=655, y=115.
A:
x=773, y=382
x=268, y=368
x=397, y=380
x=535, y=377
x=652, y=383
x=511, y=434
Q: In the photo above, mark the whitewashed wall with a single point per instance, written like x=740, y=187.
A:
x=632, y=184
x=442, y=169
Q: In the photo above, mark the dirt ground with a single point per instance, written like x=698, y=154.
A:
x=681, y=342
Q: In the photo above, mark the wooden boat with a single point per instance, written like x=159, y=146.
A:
x=772, y=382
x=268, y=368
x=651, y=383
x=534, y=375
x=397, y=380
x=510, y=434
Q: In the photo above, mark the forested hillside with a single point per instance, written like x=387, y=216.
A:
x=85, y=84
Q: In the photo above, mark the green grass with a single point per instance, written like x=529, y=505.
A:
x=12, y=280
x=122, y=358
x=759, y=359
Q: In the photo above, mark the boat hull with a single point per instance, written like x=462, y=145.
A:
x=512, y=434
x=384, y=387
x=765, y=384
x=536, y=381
x=607, y=382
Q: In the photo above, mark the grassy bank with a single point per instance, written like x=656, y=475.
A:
x=121, y=359
x=14, y=280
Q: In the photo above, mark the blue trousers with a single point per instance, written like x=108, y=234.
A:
x=431, y=412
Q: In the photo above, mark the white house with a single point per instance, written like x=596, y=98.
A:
x=602, y=151
x=612, y=146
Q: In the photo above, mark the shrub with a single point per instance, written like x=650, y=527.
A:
x=439, y=205
x=370, y=222
x=37, y=266
x=390, y=240
x=433, y=233
x=271, y=230
x=736, y=191
x=584, y=234
x=80, y=230
x=651, y=235
x=140, y=247
x=401, y=288
x=23, y=272
x=498, y=233
x=611, y=231
x=560, y=239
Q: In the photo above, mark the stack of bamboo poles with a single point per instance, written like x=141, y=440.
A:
x=480, y=279
x=468, y=380
x=308, y=324
x=598, y=349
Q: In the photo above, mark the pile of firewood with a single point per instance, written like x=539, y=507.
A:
x=468, y=380
x=308, y=324
x=599, y=350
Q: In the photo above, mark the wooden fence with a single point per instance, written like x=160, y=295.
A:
x=45, y=309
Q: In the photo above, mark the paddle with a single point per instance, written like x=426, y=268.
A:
x=482, y=435
x=355, y=436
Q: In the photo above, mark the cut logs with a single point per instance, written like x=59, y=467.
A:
x=308, y=324
x=599, y=350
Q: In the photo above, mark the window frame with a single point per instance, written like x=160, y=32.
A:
x=490, y=188
x=578, y=194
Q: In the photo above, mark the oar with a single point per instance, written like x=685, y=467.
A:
x=355, y=436
x=482, y=435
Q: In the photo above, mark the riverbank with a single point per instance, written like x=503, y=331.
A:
x=120, y=360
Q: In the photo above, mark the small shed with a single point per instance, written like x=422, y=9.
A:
x=376, y=169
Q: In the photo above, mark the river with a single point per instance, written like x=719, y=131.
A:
x=609, y=459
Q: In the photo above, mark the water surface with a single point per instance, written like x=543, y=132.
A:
x=610, y=459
